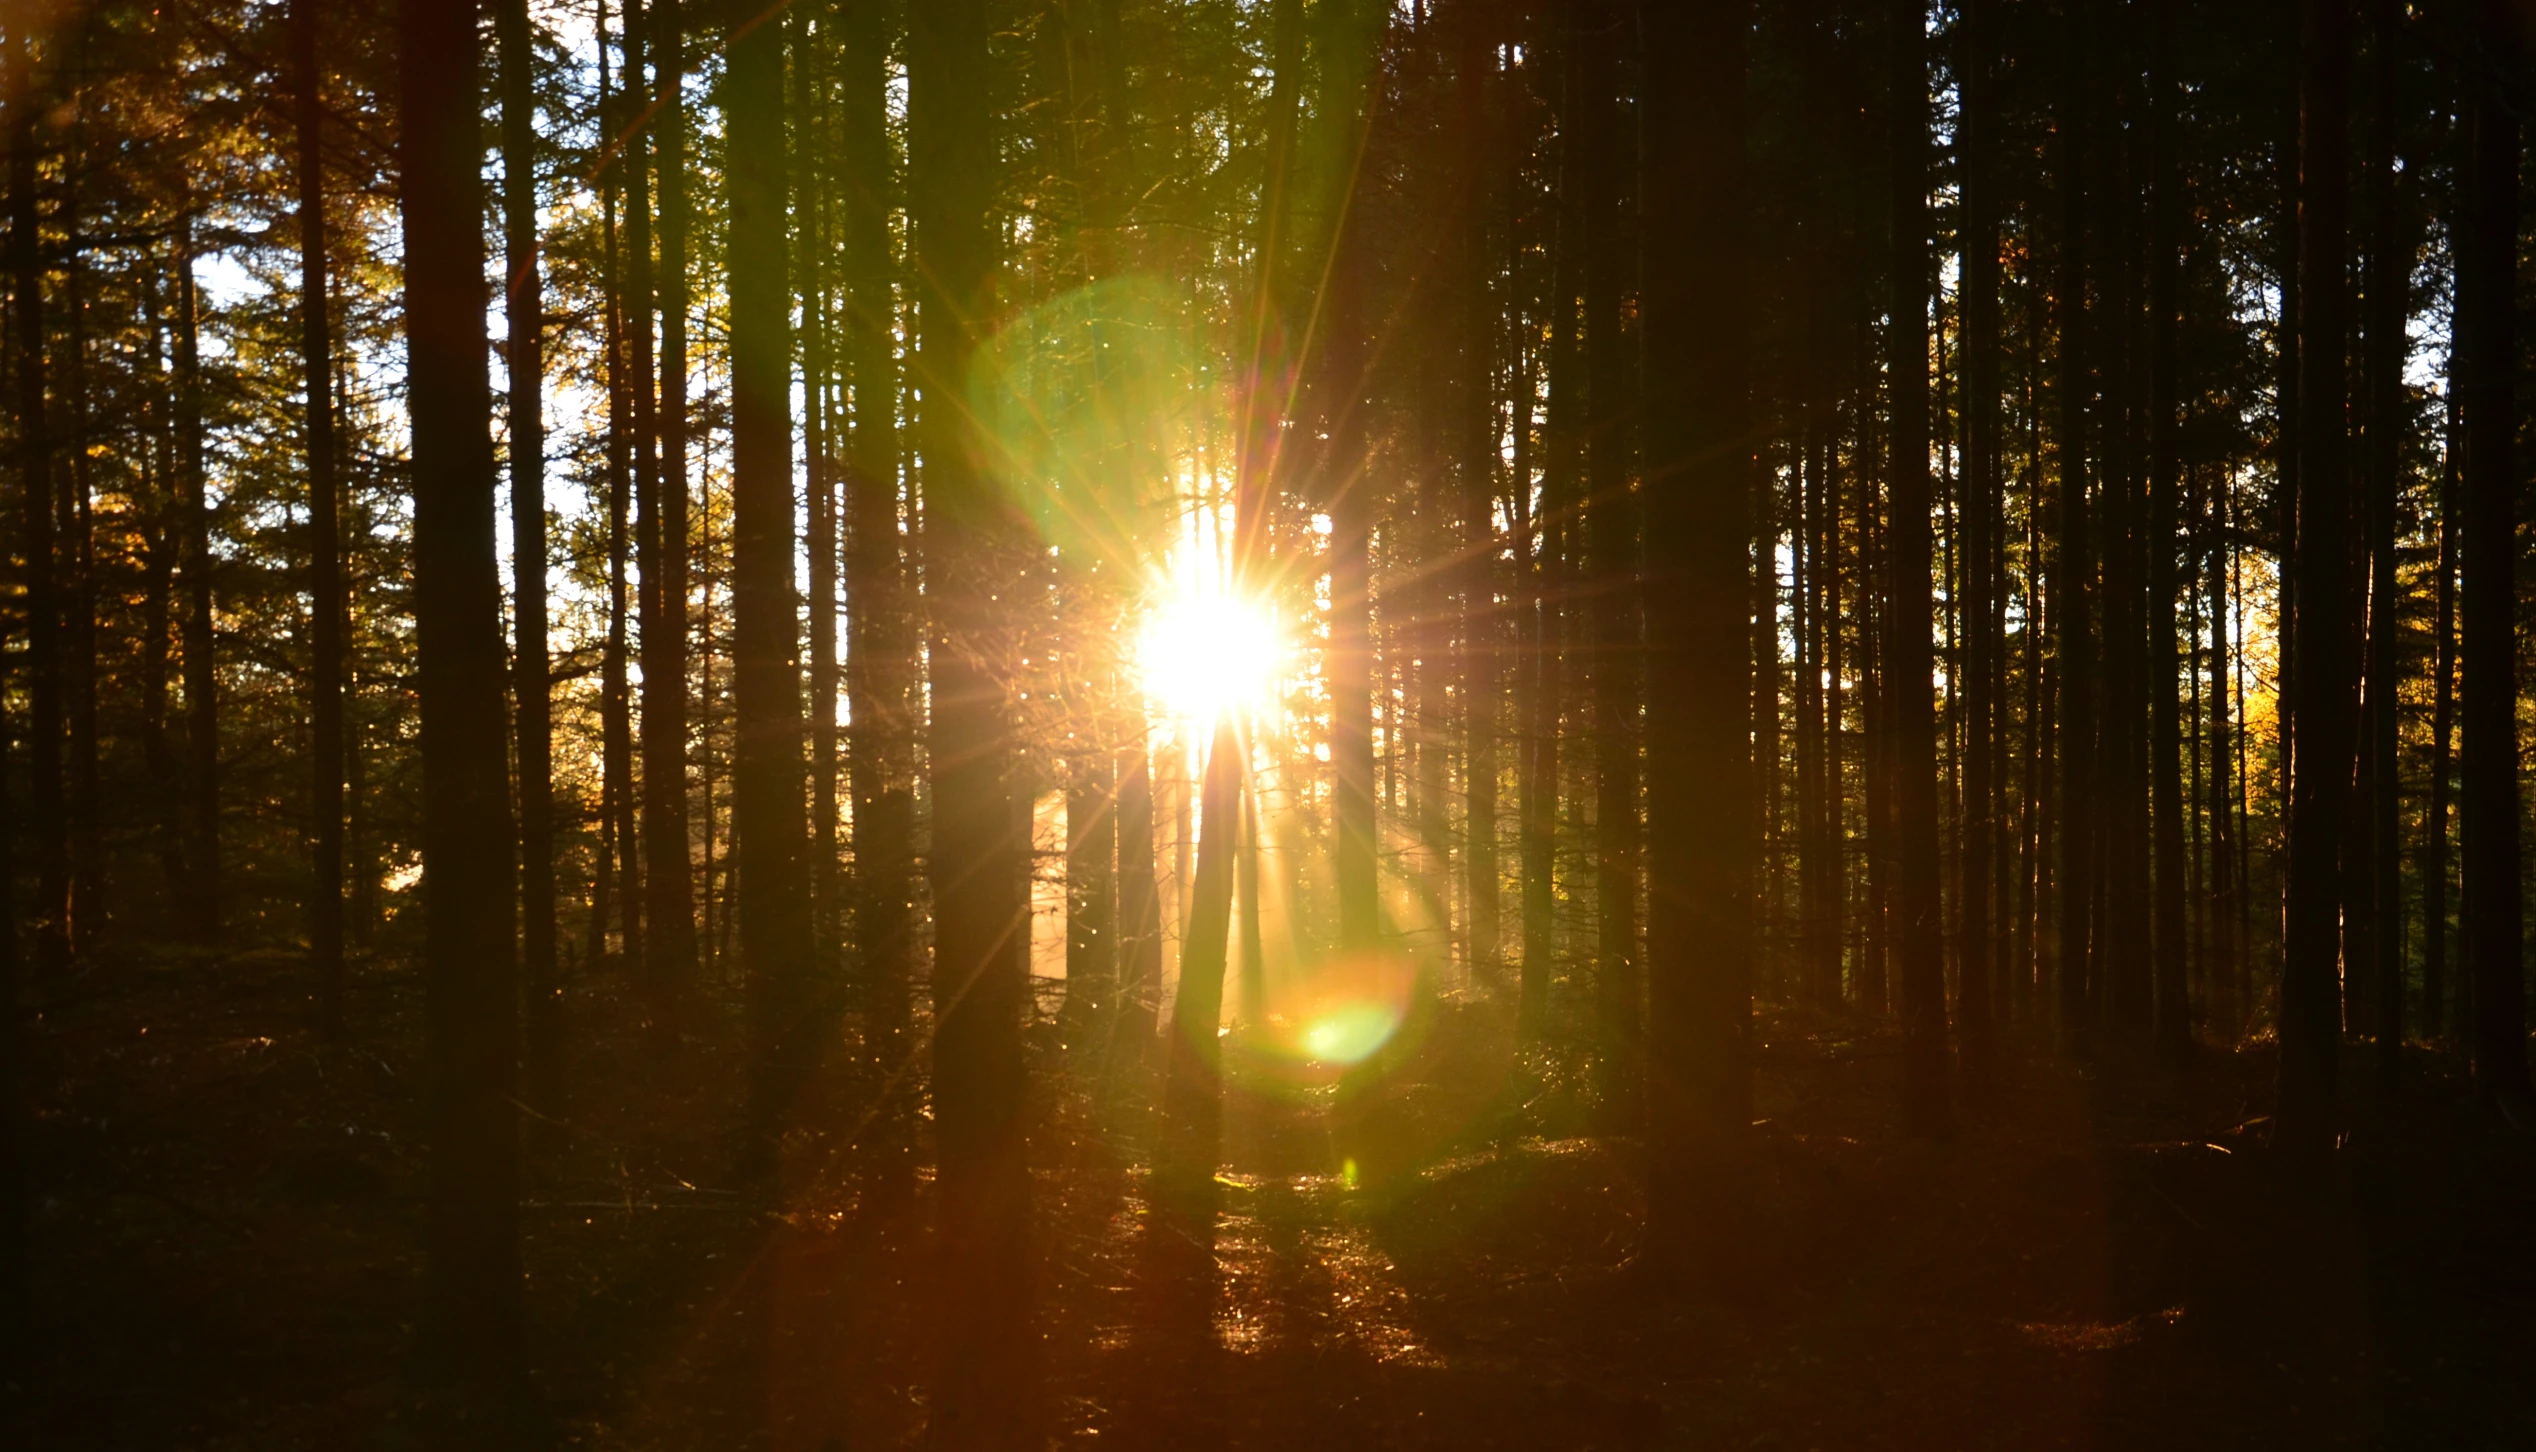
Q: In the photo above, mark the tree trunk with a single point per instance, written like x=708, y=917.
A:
x=2390, y=259
x=2172, y=1022
x=2073, y=561
x=1920, y=921
x=2322, y=668
x=1979, y=305
x=1478, y=461
x=531, y=682
x=2487, y=312
x=1699, y=468
x=160, y=530
x=51, y=918
x=1545, y=660
x=2226, y=888
x=616, y=729
x=766, y=767
x=2443, y=725
x=659, y=758
x=823, y=421
x=880, y=661
x=1612, y=545
x=984, y=1391
x=325, y=570
x=669, y=906
x=79, y=597
x=471, y=1320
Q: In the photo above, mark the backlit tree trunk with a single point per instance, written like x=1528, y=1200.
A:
x=471, y=1312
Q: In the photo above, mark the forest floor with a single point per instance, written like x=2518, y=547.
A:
x=1431, y=1253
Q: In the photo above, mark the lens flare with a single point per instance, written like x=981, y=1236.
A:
x=1349, y=1033
x=1205, y=654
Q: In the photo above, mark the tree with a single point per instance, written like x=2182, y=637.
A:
x=2487, y=318
x=1611, y=548
x=531, y=684
x=471, y=1314
x=880, y=663
x=2172, y=1031
x=2389, y=261
x=2322, y=667
x=1927, y=1095
x=669, y=908
x=1979, y=662
x=767, y=779
x=36, y=446
x=983, y=1389
x=2072, y=566
x=1699, y=469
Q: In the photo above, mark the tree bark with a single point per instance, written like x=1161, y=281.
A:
x=2487, y=309
x=471, y=1320
x=1698, y=469
x=524, y=301
x=880, y=661
x=2321, y=669
x=669, y=907
x=767, y=782
x=2443, y=727
x=325, y=570
x=1920, y=911
x=2390, y=260
x=2073, y=563
x=616, y=729
x=984, y=1392
x=1979, y=305
x=51, y=918
x=2172, y=1011
x=1612, y=551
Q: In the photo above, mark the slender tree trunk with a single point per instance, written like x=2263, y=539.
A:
x=615, y=705
x=2321, y=670
x=1612, y=545
x=1091, y=860
x=984, y=1392
x=2390, y=259
x=325, y=569
x=1699, y=468
x=524, y=300
x=34, y=499
x=1479, y=460
x=1979, y=304
x=659, y=758
x=202, y=704
x=1547, y=582
x=158, y=595
x=1920, y=928
x=1139, y=902
x=2073, y=560
x=51, y=918
x=471, y=1314
x=2443, y=726
x=767, y=769
x=2487, y=310
x=1351, y=650
x=1351, y=608
x=2226, y=887
x=880, y=660
x=669, y=907
x=88, y=907
x=822, y=423
x=2172, y=1005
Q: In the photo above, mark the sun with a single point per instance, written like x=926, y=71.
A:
x=1202, y=654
